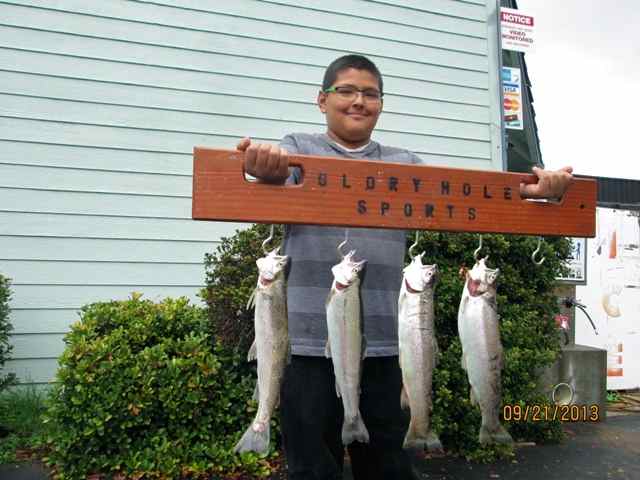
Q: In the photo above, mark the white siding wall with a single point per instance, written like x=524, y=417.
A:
x=101, y=103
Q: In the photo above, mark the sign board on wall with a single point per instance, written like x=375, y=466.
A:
x=612, y=296
x=512, y=98
x=517, y=30
x=577, y=262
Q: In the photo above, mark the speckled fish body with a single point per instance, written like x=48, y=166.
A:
x=418, y=351
x=270, y=348
x=482, y=356
x=345, y=345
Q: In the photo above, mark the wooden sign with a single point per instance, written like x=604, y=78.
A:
x=359, y=193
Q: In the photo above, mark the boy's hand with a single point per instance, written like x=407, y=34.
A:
x=266, y=162
x=551, y=185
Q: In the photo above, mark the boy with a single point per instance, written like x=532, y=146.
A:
x=311, y=413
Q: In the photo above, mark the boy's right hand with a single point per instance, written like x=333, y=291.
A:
x=266, y=162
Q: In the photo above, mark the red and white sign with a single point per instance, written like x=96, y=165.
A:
x=517, y=30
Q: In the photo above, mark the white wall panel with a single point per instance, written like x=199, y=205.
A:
x=101, y=104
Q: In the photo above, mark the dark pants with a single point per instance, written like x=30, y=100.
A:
x=311, y=419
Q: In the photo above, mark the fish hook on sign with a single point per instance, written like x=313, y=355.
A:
x=535, y=253
x=476, y=252
x=341, y=254
x=267, y=240
x=415, y=244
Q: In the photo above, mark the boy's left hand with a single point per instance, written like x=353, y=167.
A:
x=551, y=184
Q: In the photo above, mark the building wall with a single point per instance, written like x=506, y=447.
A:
x=102, y=102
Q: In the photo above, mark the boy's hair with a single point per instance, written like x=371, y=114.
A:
x=349, y=61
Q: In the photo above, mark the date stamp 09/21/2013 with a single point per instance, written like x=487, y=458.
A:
x=546, y=413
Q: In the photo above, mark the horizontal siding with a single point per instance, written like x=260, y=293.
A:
x=101, y=104
x=60, y=296
x=104, y=250
x=35, y=371
x=45, y=272
x=43, y=321
x=100, y=226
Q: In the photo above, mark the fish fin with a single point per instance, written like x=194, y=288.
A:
x=327, y=350
x=472, y=397
x=256, y=393
x=404, y=398
x=364, y=347
x=354, y=431
x=414, y=439
x=252, y=299
x=499, y=435
x=253, y=352
x=254, y=440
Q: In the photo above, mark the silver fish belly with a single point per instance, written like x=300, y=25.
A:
x=345, y=345
x=270, y=348
x=482, y=355
x=418, y=350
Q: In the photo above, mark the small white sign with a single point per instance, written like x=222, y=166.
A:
x=517, y=30
x=512, y=98
x=577, y=262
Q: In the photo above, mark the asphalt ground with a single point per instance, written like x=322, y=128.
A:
x=609, y=450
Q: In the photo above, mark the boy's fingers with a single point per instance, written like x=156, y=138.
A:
x=243, y=144
x=284, y=164
x=273, y=165
x=250, y=156
x=262, y=160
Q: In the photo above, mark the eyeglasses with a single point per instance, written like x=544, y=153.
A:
x=350, y=93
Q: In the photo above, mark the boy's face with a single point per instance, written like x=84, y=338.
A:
x=351, y=121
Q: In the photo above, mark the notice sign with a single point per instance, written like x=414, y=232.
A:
x=512, y=94
x=517, y=30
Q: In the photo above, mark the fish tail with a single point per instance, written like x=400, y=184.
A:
x=423, y=441
x=497, y=435
x=354, y=430
x=254, y=439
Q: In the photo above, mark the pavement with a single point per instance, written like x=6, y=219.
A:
x=608, y=450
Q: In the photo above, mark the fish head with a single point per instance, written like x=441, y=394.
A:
x=271, y=266
x=347, y=271
x=481, y=279
x=418, y=277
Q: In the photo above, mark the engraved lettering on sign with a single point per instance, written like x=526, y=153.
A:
x=486, y=192
x=428, y=210
x=416, y=184
x=466, y=189
x=322, y=179
x=450, y=208
x=362, y=206
x=507, y=193
x=345, y=184
x=472, y=213
x=444, y=189
x=384, y=208
x=408, y=209
x=371, y=183
x=393, y=184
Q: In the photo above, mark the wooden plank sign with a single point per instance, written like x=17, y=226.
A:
x=359, y=193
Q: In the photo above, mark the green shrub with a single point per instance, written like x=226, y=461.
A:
x=526, y=306
x=231, y=276
x=6, y=379
x=142, y=390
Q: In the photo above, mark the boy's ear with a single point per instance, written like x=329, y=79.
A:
x=322, y=101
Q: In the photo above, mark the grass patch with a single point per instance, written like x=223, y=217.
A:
x=21, y=425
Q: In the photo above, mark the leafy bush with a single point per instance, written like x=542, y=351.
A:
x=143, y=391
x=231, y=276
x=5, y=328
x=526, y=305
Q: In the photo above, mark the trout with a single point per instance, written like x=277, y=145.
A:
x=481, y=349
x=418, y=350
x=345, y=345
x=270, y=348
